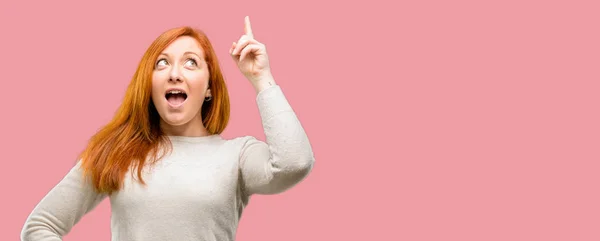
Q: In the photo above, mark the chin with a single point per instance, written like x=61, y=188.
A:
x=178, y=115
x=175, y=119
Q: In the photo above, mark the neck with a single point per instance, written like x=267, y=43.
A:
x=194, y=128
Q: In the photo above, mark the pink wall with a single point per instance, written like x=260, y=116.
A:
x=430, y=120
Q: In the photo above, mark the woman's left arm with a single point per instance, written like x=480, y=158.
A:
x=286, y=157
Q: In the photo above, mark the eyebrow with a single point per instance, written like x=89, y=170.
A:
x=187, y=52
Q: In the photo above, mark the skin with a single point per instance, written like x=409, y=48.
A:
x=252, y=60
x=182, y=65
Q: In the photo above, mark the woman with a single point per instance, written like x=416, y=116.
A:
x=162, y=162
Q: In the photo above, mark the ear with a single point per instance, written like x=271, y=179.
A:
x=208, y=94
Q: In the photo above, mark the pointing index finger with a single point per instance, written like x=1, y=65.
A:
x=247, y=27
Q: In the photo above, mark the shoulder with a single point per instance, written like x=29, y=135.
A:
x=243, y=141
x=246, y=143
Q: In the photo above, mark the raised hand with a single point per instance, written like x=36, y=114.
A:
x=251, y=58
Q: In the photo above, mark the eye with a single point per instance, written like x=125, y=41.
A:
x=161, y=62
x=191, y=62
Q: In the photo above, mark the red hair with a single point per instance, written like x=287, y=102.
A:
x=133, y=136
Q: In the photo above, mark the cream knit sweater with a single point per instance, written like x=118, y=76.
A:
x=197, y=192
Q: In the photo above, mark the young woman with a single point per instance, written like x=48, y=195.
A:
x=162, y=162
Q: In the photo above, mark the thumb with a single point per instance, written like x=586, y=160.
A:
x=235, y=57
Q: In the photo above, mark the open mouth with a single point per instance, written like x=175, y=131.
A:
x=176, y=97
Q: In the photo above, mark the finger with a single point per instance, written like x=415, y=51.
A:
x=232, y=48
x=251, y=48
x=240, y=45
x=244, y=40
x=236, y=58
x=248, y=27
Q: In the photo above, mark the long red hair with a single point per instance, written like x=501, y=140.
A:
x=133, y=136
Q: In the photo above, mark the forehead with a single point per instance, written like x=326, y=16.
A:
x=184, y=44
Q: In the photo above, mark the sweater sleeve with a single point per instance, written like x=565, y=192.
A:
x=285, y=158
x=61, y=208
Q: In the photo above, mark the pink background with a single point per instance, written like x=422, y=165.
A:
x=430, y=120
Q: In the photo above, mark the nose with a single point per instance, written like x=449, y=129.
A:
x=175, y=75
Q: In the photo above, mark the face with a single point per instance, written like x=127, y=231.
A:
x=180, y=83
